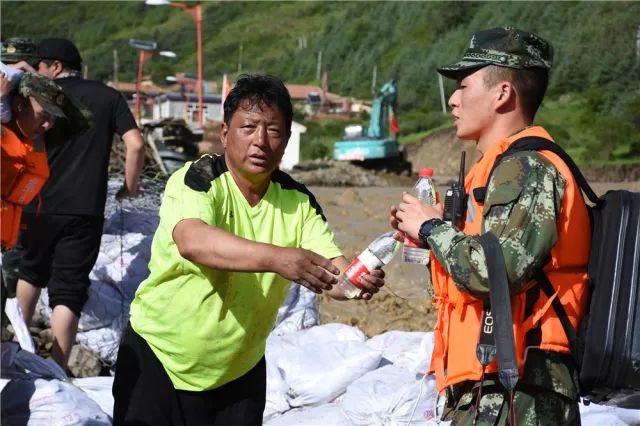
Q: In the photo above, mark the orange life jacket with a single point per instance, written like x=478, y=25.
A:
x=24, y=172
x=457, y=330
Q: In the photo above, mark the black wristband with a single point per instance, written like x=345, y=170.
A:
x=426, y=228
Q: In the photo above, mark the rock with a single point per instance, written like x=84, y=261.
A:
x=46, y=336
x=350, y=197
x=35, y=330
x=83, y=363
x=7, y=333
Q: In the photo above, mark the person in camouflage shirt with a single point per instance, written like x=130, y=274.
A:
x=18, y=51
x=502, y=79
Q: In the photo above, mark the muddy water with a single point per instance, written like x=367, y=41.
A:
x=357, y=216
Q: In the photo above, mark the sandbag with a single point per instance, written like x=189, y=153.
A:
x=318, y=364
x=388, y=396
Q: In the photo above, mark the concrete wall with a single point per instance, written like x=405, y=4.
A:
x=291, y=155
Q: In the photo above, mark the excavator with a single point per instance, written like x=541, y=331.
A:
x=376, y=146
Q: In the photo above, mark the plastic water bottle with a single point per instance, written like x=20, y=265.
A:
x=379, y=253
x=424, y=190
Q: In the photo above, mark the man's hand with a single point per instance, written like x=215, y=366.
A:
x=307, y=269
x=411, y=213
x=125, y=192
x=371, y=284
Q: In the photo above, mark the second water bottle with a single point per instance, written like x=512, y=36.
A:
x=426, y=192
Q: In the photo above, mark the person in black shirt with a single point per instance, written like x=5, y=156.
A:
x=62, y=241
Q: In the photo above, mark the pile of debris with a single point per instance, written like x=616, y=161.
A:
x=169, y=143
x=343, y=173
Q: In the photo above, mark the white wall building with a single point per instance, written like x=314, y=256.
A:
x=178, y=105
x=291, y=155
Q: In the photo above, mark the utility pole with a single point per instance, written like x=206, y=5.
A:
x=373, y=79
x=319, y=68
x=638, y=44
x=302, y=42
x=441, y=84
x=239, y=58
x=115, y=67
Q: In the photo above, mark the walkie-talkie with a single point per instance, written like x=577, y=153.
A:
x=455, y=199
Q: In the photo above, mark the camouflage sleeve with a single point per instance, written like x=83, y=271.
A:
x=522, y=204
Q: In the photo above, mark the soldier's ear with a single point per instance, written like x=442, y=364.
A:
x=505, y=95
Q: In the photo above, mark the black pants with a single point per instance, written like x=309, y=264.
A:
x=58, y=252
x=144, y=394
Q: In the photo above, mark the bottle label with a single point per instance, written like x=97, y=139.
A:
x=410, y=242
x=363, y=264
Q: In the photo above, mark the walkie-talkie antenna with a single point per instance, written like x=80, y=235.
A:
x=458, y=199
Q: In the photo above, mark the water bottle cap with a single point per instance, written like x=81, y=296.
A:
x=425, y=171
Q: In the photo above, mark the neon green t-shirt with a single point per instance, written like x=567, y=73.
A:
x=206, y=326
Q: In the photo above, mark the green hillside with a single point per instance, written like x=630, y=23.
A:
x=593, y=105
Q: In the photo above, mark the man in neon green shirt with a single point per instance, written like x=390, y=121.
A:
x=234, y=232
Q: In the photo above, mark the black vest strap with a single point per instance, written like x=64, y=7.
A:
x=536, y=143
x=572, y=336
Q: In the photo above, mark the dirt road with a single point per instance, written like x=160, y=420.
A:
x=357, y=216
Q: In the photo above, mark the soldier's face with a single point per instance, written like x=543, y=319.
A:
x=472, y=106
x=254, y=140
x=32, y=119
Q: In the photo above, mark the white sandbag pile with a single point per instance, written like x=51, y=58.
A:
x=317, y=365
x=121, y=265
x=332, y=375
x=36, y=391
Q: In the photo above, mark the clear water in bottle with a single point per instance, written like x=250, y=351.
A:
x=375, y=256
x=424, y=190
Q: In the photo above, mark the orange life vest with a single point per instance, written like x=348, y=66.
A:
x=457, y=330
x=24, y=172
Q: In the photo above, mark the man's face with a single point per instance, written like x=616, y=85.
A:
x=32, y=119
x=472, y=106
x=254, y=140
x=49, y=71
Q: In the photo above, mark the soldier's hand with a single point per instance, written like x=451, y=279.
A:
x=5, y=85
x=306, y=268
x=23, y=65
x=411, y=213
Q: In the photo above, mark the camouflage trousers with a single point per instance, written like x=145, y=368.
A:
x=533, y=405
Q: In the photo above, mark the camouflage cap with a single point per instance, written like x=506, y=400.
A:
x=504, y=47
x=48, y=94
x=18, y=49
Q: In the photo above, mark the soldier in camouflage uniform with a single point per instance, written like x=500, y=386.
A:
x=502, y=79
x=18, y=49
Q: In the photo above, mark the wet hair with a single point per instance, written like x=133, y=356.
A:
x=530, y=85
x=259, y=89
